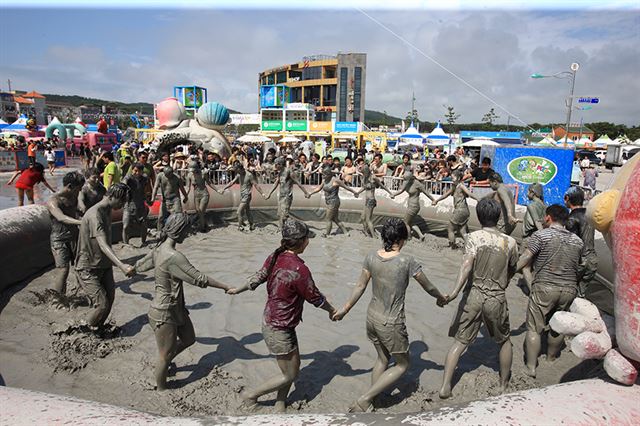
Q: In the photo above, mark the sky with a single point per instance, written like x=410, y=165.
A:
x=452, y=53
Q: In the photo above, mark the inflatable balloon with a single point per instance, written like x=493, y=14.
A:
x=103, y=127
x=212, y=115
x=170, y=113
x=31, y=125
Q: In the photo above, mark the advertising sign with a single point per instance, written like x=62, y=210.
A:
x=321, y=126
x=296, y=125
x=523, y=166
x=346, y=126
x=267, y=96
x=274, y=125
x=193, y=97
x=239, y=119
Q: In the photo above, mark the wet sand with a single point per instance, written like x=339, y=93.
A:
x=41, y=352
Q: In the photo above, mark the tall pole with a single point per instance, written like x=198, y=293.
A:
x=574, y=68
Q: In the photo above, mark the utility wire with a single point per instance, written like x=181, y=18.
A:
x=462, y=80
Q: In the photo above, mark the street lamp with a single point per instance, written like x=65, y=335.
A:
x=571, y=75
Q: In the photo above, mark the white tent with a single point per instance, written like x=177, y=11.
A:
x=636, y=142
x=622, y=140
x=584, y=142
x=602, y=141
x=253, y=138
x=289, y=139
x=547, y=141
x=437, y=137
x=411, y=137
x=480, y=141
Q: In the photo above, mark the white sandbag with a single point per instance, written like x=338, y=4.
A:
x=590, y=345
x=619, y=368
x=572, y=324
x=584, y=307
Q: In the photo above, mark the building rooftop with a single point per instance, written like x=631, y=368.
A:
x=22, y=100
x=33, y=94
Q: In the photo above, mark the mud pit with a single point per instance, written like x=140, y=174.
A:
x=229, y=352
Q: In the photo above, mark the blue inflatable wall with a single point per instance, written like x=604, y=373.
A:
x=523, y=166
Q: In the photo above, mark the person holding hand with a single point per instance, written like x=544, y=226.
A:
x=289, y=284
x=390, y=272
x=168, y=315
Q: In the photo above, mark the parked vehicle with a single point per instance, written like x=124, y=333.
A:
x=593, y=158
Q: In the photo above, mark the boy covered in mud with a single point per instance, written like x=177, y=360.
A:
x=285, y=180
x=95, y=257
x=170, y=187
x=533, y=221
x=92, y=192
x=168, y=315
x=502, y=195
x=460, y=215
x=196, y=180
x=134, y=215
x=489, y=261
x=390, y=272
x=63, y=210
x=247, y=182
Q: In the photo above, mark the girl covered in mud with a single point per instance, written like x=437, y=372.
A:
x=168, y=315
x=289, y=284
x=390, y=272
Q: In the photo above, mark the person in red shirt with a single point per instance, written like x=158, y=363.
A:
x=289, y=284
x=31, y=152
x=27, y=180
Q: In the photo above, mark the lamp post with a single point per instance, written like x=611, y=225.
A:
x=571, y=75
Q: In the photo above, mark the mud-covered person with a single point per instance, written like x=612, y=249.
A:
x=285, y=180
x=168, y=315
x=95, y=256
x=460, y=215
x=170, y=186
x=489, y=261
x=369, y=184
x=555, y=254
x=134, y=215
x=92, y=192
x=63, y=210
x=289, y=285
x=247, y=181
x=196, y=180
x=579, y=225
x=503, y=195
x=390, y=272
x=533, y=221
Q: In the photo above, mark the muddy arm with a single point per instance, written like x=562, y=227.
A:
x=463, y=276
x=428, y=286
x=358, y=291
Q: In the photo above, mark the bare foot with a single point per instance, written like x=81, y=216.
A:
x=280, y=407
x=445, y=392
x=530, y=371
x=360, y=406
x=248, y=402
x=504, y=387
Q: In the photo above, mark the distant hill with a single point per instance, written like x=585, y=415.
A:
x=376, y=118
x=129, y=108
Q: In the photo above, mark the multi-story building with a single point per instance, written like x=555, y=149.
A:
x=8, y=108
x=333, y=85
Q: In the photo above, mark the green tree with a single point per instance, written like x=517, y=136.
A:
x=490, y=117
x=412, y=116
x=451, y=117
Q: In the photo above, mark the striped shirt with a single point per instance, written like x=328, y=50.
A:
x=557, y=254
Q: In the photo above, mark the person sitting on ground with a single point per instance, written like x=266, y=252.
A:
x=555, y=253
x=168, y=314
x=289, y=284
x=92, y=192
x=27, y=180
x=390, y=272
x=489, y=263
x=63, y=210
x=95, y=256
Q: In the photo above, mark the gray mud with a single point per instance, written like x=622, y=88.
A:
x=229, y=353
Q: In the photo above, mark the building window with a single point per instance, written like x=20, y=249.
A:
x=281, y=77
x=270, y=79
x=312, y=73
x=357, y=93
x=329, y=72
x=329, y=96
x=342, y=107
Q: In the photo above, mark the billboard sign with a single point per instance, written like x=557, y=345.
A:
x=193, y=97
x=321, y=126
x=239, y=119
x=267, y=96
x=296, y=125
x=523, y=166
x=587, y=100
x=273, y=125
x=346, y=126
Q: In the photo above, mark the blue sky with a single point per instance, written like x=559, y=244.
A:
x=140, y=54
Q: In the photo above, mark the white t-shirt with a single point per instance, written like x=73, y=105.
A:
x=50, y=156
x=585, y=162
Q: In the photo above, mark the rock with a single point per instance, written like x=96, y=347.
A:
x=584, y=307
x=619, y=368
x=590, y=345
x=573, y=324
